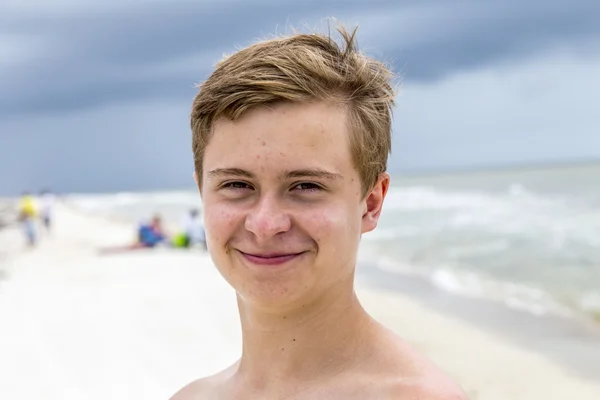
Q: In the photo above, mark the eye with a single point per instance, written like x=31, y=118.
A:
x=307, y=187
x=236, y=185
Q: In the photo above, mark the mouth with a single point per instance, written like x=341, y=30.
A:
x=272, y=259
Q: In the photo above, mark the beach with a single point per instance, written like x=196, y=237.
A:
x=78, y=325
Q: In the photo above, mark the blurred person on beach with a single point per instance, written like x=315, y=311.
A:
x=192, y=233
x=27, y=212
x=291, y=138
x=150, y=234
x=47, y=200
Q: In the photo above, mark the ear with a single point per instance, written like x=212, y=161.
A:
x=373, y=203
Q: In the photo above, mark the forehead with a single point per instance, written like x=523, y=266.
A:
x=283, y=136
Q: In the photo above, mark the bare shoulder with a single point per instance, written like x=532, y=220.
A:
x=426, y=389
x=411, y=375
x=196, y=390
x=428, y=382
x=203, y=388
x=425, y=382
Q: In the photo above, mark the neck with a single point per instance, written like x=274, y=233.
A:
x=310, y=341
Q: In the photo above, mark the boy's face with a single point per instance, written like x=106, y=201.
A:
x=283, y=204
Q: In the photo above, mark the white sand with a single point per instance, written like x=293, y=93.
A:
x=74, y=325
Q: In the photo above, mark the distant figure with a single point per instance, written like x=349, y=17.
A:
x=47, y=200
x=149, y=235
x=27, y=214
x=193, y=231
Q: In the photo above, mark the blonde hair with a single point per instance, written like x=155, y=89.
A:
x=303, y=67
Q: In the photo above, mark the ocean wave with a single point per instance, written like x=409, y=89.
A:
x=590, y=302
x=115, y=201
x=515, y=226
x=518, y=211
x=530, y=298
x=419, y=198
x=102, y=202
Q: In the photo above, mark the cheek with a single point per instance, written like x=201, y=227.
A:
x=332, y=225
x=219, y=221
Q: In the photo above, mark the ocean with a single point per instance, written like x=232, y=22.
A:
x=527, y=239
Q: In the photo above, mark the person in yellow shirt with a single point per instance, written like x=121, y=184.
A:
x=27, y=214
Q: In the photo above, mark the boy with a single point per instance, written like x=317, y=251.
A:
x=290, y=139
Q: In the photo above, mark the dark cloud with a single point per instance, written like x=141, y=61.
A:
x=90, y=47
x=468, y=35
x=94, y=96
x=98, y=56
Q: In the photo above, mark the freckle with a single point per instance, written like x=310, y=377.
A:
x=282, y=349
x=264, y=143
x=284, y=317
x=293, y=340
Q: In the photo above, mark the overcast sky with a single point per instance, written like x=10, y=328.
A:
x=95, y=95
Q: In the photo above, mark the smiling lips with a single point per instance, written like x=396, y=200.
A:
x=270, y=259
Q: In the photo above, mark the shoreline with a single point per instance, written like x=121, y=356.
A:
x=487, y=365
x=120, y=326
x=571, y=342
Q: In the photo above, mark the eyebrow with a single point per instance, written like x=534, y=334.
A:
x=297, y=173
x=311, y=173
x=222, y=172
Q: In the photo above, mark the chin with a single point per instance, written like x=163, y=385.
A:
x=279, y=288
x=269, y=295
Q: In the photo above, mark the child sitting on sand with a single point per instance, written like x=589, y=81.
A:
x=149, y=235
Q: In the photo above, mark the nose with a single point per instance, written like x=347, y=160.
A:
x=267, y=219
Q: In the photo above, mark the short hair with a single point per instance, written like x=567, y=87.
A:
x=300, y=68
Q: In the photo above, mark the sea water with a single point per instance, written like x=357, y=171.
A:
x=526, y=238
